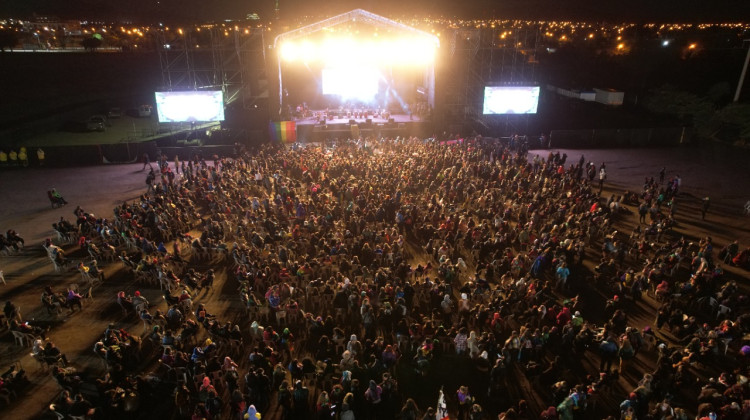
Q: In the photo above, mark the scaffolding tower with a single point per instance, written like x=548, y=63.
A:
x=479, y=57
x=232, y=60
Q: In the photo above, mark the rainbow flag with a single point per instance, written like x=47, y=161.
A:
x=283, y=131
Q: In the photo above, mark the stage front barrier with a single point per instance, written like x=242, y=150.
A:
x=320, y=132
x=617, y=138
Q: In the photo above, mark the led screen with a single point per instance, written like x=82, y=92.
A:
x=510, y=100
x=189, y=106
x=354, y=83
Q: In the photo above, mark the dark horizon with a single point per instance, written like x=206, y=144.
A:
x=152, y=11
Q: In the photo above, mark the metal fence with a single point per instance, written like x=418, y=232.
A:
x=620, y=138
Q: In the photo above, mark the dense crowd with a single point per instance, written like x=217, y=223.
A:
x=363, y=267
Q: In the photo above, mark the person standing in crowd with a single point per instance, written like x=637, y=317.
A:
x=705, y=205
x=602, y=177
x=642, y=212
x=465, y=400
x=373, y=396
x=13, y=156
x=23, y=157
x=150, y=180
x=146, y=161
x=40, y=156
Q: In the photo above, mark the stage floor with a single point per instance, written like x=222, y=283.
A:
x=397, y=118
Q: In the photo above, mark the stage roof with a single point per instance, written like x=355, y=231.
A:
x=357, y=15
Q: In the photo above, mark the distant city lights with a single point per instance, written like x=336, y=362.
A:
x=618, y=38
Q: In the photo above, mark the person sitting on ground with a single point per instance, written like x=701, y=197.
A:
x=59, y=198
x=13, y=238
x=53, y=355
x=95, y=271
x=81, y=407
x=26, y=328
x=125, y=302
x=53, y=301
x=139, y=302
x=67, y=378
x=12, y=311
x=74, y=299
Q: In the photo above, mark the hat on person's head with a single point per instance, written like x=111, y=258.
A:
x=577, y=314
x=137, y=293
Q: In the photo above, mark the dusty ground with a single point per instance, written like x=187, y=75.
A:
x=722, y=176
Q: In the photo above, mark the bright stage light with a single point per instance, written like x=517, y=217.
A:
x=289, y=51
x=351, y=82
x=334, y=51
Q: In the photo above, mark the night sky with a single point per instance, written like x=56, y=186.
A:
x=148, y=11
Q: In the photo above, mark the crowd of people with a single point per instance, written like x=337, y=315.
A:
x=367, y=269
x=11, y=242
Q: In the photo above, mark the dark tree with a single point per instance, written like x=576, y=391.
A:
x=8, y=39
x=91, y=44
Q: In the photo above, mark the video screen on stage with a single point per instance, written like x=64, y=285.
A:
x=351, y=83
x=190, y=106
x=510, y=100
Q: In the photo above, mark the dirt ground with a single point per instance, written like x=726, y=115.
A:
x=722, y=175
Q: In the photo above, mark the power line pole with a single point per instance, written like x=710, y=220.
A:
x=742, y=75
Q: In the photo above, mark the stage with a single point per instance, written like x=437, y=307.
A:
x=321, y=126
x=352, y=116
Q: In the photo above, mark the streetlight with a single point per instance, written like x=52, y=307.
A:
x=742, y=74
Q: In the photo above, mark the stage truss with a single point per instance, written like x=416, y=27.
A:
x=479, y=57
x=229, y=59
x=356, y=16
